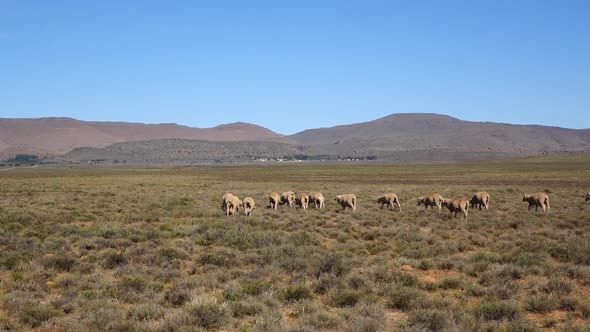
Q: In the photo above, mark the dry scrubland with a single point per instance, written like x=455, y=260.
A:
x=150, y=250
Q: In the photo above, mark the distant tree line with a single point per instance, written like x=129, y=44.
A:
x=23, y=159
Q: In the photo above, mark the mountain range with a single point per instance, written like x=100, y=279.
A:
x=398, y=137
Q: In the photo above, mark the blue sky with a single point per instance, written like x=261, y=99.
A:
x=292, y=65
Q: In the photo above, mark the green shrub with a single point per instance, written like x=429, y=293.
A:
x=255, y=287
x=220, y=257
x=404, y=298
x=574, y=250
x=322, y=320
x=269, y=321
x=333, y=263
x=542, y=303
x=61, y=262
x=558, y=286
x=502, y=289
x=326, y=282
x=521, y=325
x=132, y=288
x=501, y=273
x=145, y=312
x=450, y=283
x=297, y=293
x=365, y=317
x=207, y=313
x=177, y=296
x=345, y=297
x=357, y=282
x=245, y=308
x=5, y=324
x=568, y=303
x=428, y=320
x=173, y=253
x=10, y=260
x=498, y=310
x=475, y=290
x=113, y=259
x=34, y=314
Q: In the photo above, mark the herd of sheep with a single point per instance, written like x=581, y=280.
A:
x=232, y=204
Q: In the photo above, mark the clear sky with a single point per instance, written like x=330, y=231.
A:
x=291, y=65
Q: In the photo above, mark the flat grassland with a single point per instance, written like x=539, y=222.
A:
x=150, y=250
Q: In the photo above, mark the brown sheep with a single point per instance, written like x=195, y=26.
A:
x=536, y=200
x=479, y=199
x=389, y=199
x=456, y=205
x=303, y=200
x=317, y=199
x=431, y=200
x=248, y=205
x=288, y=197
x=233, y=206
x=347, y=200
x=225, y=199
x=274, y=199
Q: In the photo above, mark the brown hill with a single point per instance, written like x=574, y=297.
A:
x=398, y=137
x=55, y=136
x=434, y=133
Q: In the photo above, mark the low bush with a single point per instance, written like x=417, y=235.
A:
x=498, y=310
x=428, y=320
x=220, y=257
x=450, y=283
x=60, y=262
x=404, y=298
x=558, y=286
x=34, y=314
x=207, y=313
x=345, y=297
x=365, y=317
x=177, y=296
x=249, y=307
x=542, y=303
x=296, y=293
x=113, y=259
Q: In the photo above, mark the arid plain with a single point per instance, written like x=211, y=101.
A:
x=124, y=249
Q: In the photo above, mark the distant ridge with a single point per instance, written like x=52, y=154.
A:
x=404, y=137
x=435, y=132
x=58, y=135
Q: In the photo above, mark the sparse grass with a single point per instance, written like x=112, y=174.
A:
x=149, y=249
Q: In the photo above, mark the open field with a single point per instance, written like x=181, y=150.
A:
x=124, y=249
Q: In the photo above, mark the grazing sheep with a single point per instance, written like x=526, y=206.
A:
x=456, y=205
x=233, y=206
x=225, y=199
x=479, y=199
x=389, y=199
x=248, y=205
x=288, y=197
x=432, y=200
x=536, y=200
x=347, y=200
x=274, y=199
x=303, y=200
x=317, y=199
